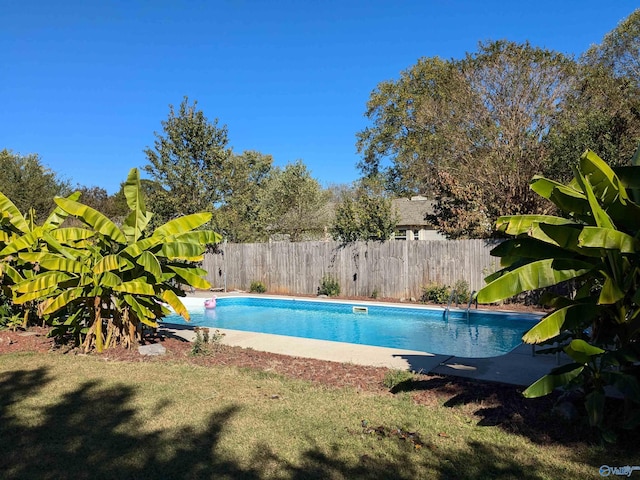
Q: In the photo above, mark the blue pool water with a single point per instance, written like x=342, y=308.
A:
x=479, y=334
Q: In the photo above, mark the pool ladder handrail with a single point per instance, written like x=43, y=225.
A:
x=473, y=298
x=454, y=294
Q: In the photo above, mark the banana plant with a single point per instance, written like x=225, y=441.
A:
x=593, y=251
x=20, y=234
x=120, y=278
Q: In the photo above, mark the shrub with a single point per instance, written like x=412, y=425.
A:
x=204, y=341
x=435, y=293
x=329, y=286
x=257, y=287
x=461, y=288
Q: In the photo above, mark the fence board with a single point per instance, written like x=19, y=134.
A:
x=396, y=269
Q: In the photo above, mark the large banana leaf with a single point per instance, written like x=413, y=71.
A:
x=203, y=237
x=53, y=245
x=558, y=377
x=135, y=287
x=516, y=249
x=191, y=278
x=182, y=251
x=175, y=303
x=610, y=292
x=564, y=318
x=135, y=250
x=133, y=192
x=35, y=295
x=99, y=222
x=138, y=219
x=565, y=237
x=150, y=263
x=521, y=224
x=62, y=300
x=58, y=216
x=567, y=198
x=56, y=262
x=581, y=352
x=601, y=217
x=545, y=187
x=52, y=261
x=606, y=185
x=134, y=225
x=23, y=242
x=109, y=263
x=41, y=282
x=110, y=280
x=13, y=214
x=11, y=272
x=608, y=238
x=71, y=234
x=145, y=315
x=538, y=274
x=182, y=224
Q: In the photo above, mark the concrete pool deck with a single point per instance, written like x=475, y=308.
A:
x=519, y=367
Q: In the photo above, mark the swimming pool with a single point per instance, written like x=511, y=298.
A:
x=477, y=335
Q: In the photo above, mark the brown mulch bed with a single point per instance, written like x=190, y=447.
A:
x=486, y=403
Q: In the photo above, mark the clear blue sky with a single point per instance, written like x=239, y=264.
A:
x=86, y=83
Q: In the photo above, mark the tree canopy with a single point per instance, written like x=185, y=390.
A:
x=470, y=132
x=295, y=205
x=364, y=213
x=462, y=131
x=602, y=112
x=29, y=183
x=189, y=161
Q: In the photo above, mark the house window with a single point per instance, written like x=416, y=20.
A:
x=400, y=235
x=416, y=235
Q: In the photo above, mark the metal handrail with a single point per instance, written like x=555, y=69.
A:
x=453, y=294
x=472, y=299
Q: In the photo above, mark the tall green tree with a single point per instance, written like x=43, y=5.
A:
x=364, y=213
x=468, y=132
x=619, y=51
x=30, y=184
x=602, y=111
x=189, y=161
x=295, y=205
x=239, y=216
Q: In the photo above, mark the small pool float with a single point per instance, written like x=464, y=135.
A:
x=210, y=303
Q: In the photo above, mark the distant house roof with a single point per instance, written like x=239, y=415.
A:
x=413, y=212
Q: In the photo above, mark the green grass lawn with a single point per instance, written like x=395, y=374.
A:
x=76, y=417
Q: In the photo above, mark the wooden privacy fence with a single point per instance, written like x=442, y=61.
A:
x=396, y=269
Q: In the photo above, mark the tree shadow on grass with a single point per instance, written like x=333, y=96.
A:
x=94, y=431
x=504, y=406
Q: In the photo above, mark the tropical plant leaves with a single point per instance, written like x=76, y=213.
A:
x=182, y=224
x=190, y=278
x=96, y=220
x=551, y=325
x=175, y=303
x=559, y=377
x=534, y=275
x=101, y=271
